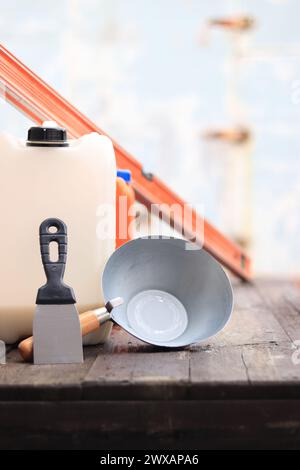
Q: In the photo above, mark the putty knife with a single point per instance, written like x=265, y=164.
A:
x=56, y=327
x=89, y=322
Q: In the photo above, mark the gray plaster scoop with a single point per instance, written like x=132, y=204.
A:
x=173, y=295
x=56, y=328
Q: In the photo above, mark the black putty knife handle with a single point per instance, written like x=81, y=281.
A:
x=55, y=291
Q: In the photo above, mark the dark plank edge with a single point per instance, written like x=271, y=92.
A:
x=259, y=382
x=134, y=425
x=188, y=379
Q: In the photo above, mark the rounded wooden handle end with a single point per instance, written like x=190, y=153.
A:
x=26, y=349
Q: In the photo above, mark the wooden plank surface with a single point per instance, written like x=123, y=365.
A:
x=21, y=381
x=252, y=353
x=240, y=389
x=197, y=424
x=283, y=300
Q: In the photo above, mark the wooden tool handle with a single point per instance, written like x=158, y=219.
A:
x=26, y=349
x=88, y=322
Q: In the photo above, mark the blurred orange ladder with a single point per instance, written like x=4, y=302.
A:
x=29, y=94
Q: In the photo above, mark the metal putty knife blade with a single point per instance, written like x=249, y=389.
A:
x=57, y=335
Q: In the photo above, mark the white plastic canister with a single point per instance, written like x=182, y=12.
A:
x=44, y=178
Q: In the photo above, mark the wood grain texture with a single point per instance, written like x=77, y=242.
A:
x=23, y=381
x=198, y=424
x=237, y=390
x=283, y=300
x=255, y=347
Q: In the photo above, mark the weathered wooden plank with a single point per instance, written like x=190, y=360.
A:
x=246, y=295
x=263, y=370
x=239, y=390
x=252, y=320
x=218, y=361
x=283, y=299
x=250, y=326
x=271, y=364
x=260, y=371
x=218, y=365
x=21, y=381
x=140, y=375
x=128, y=368
x=201, y=424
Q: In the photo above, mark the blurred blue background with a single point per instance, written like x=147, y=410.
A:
x=161, y=76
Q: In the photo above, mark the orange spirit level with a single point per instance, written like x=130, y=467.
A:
x=38, y=101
